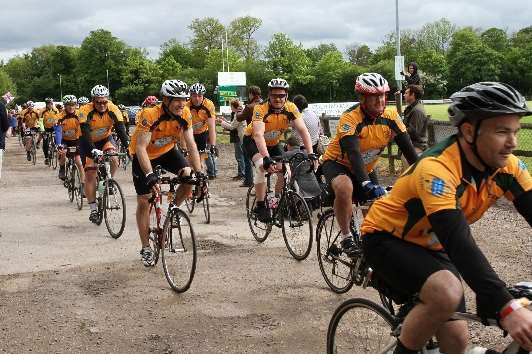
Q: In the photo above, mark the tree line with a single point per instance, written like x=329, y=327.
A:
x=448, y=58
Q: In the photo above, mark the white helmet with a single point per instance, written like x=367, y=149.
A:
x=69, y=99
x=278, y=83
x=198, y=89
x=175, y=88
x=99, y=91
x=83, y=100
x=30, y=104
x=371, y=84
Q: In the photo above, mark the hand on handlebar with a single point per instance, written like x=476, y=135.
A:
x=519, y=326
x=373, y=191
x=96, y=153
x=152, y=182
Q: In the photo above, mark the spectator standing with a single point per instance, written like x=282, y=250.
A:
x=311, y=119
x=415, y=119
x=4, y=126
x=254, y=95
x=13, y=122
x=236, y=129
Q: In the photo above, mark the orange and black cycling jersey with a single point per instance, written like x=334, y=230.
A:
x=442, y=180
x=30, y=118
x=49, y=117
x=70, y=125
x=374, y=135
x=200, y=115
x=101, y=124
x=275, y=124
x=165, y=130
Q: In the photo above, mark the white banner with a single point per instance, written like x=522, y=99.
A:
x=232, y=79
x=330, y=109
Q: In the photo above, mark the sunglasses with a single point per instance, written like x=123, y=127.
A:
x=278, y=95
x=100, y=102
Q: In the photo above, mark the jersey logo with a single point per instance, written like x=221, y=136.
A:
x=522, y=165
x=437, y=187
x=346, y=127
x=144, y=123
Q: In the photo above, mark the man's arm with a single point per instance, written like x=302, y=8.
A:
x=246, y=113
x=121, y=132
x=143, y=140
x=350, y=145
x=192, y=149
x=302, y=130
x=416, y=123
x=4, y=122
x=523, y=204
x=405, y=145
x=86, y=135
x=258, y=137
x=211, y=122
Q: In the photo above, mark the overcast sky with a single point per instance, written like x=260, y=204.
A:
x=25, y=24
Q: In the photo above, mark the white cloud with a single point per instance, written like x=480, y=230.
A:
x=26, y=24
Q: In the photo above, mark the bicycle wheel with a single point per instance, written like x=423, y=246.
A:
x=33, y=153
x=206, y=208
x=53, y=157
x=155, y=235
x=259, y=230
x=190, y=203
x=336, y=267
x=296, y=222
x=361, y=326
x=178, y=253
x=71, y=176
x=114, y=210
x=78, y=188
x=99, y=201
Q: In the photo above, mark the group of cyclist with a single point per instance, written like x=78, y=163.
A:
x=416, y=237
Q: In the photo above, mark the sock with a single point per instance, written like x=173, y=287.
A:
x=93, y=206
x=401, y=349
x=261, y=204
x=346, y=235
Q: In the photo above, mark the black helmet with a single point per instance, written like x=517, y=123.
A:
x=485, y=100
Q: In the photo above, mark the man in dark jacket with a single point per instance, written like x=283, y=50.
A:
x=4, y=126
x=254, y=96
x=415, y=119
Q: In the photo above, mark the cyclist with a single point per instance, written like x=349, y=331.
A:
x=68, y=120
x=49, y=116
x=125, y=116
x=153, y=143
x=417, y=239
x=82, y=101
x=261, y=138
x=97, y=120
x=204, y=126
x=363, y=132
x=30, y=119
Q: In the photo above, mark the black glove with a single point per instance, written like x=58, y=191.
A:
x=213, y=150
x=313, y=156
x=151, y=179
x=199, y=175
x=267, y=162
x=373, y=191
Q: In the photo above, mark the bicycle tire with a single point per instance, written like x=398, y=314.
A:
x=360, y=326
x=71, y=176
x=178, y=247
x=293, y=213
x=117, y=196
x=54, y=158
x=206, y=208
x=190, y=204
x=154, y=235
x=340, y=279
x=78, y=188
x=33, y=153
x=259, y=230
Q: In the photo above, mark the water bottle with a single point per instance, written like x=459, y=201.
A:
x=273, y=201
x=101, y=187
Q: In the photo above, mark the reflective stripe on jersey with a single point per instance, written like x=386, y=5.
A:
x=101, y=125
x=70, y=125
x=200, y=115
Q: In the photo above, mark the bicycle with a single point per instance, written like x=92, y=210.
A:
x=361, y=326
x=174, y=237
x=52, y=151
x=200, y=194
x=289, y=213
x=33, y=150
x=72, y=181
x=123, y=160
x=109, y=197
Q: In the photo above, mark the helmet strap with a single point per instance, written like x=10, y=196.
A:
x=473, y=145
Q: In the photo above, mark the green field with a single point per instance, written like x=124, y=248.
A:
x=439, y=112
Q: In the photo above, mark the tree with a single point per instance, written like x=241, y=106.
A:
x=471, y=61
x=436, y=36
x=206, y=34
x=141, y=77
x=328, y=71
x=359, y=54
x=100, y=52
x=286, y=59
x=241, y=39
x=434, y=73
x=315, y=54
x=495, y=38
x=182, y=54
x=6, y=84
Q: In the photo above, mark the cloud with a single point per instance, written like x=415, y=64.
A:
x=25, y=24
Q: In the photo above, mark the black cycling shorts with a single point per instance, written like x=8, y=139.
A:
x=173, y=161
x=250, y=148
x=104, y=145
x=331, y=169
x=404, y=266
x=71, y=143
x=201, y=141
